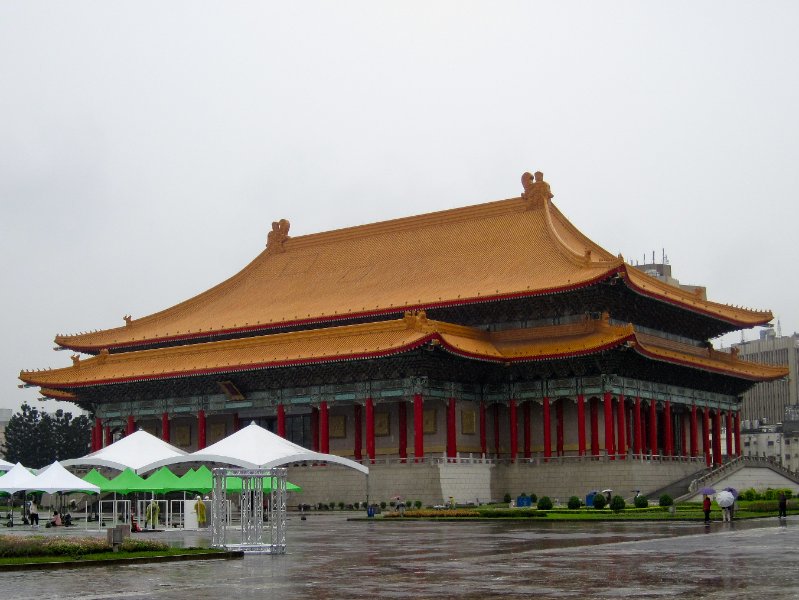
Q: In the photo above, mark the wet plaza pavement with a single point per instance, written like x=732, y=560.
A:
x=329, y=557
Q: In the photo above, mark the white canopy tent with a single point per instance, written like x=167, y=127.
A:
x=18, y=479
x=5, y=465
x=55, y=478
x=254, y=447
x=135, y=451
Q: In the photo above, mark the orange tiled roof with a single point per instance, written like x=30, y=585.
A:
x=502, y=249
x=372, y=340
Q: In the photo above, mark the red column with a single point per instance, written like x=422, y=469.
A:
x=717, y=438
x=738, y=433
x=547, y=428
x=452, y=444
x=418, y=427
x=356, y=416
x=581, y=425
x=483, y=436
x=621, y=416
x=496, y=430
x=528, y=442
x=559, y=425
x=729, y=434
x=594, y=405
x=610, y=447
x=668, y=442
x=200, y=429
x=324, y=430
x=98, y=434
x=237, y=424
x=108, y=439
x=402, y=423
x=653, y=427
x=131, y=428
x=637, y=427
x=281, y=420
x=315, y=428
x=370, y=430
x=165, y=427
x=694, y=440
x=514, y=430
x=706, y=435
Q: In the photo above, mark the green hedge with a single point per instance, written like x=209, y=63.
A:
x=20, y=546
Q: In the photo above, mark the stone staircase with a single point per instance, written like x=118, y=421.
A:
x=708, y=477
x=679, y=488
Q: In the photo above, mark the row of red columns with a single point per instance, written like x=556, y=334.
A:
x=321, y=439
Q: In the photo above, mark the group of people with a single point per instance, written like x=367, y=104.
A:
x=727, y=512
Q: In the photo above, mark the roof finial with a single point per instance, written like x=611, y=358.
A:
x=278, y=235
x=127, y=319
x=536, y=190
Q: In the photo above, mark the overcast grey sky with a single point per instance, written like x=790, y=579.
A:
x=146, y=147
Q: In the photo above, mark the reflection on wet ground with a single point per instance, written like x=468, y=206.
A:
x=329, y=557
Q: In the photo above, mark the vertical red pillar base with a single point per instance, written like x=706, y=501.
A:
x=547, y=429
x=370, y=430
x=281, y=420
x=324, y=430
x=402, y=423
x=200, y=429
x=356, y=416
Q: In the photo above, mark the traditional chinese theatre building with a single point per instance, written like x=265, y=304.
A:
x=465, y=353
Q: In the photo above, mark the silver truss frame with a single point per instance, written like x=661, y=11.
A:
x=252, y=536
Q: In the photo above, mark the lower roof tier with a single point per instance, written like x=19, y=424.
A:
x=588, y=346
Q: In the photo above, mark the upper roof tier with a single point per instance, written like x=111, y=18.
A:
x=499, y=250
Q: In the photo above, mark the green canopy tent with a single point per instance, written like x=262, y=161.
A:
x=164, y=481
x=96, y=478
x=128, y=482
x=202, y=481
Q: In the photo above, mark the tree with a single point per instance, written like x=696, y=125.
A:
x=37, y=439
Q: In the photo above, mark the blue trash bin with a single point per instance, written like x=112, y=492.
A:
x=589, y=498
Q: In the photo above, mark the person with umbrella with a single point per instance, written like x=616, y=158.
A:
x=725, y=500
x=783, y=506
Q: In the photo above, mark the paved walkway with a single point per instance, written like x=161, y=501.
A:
x=329, y=557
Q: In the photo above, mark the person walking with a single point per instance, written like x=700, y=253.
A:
x=33, y=514
x=706, y=508
x=783, y=506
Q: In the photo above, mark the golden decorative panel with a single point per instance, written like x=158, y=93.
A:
x=429, y=421
x=382, y=424
x=337, y=426
x=468, y=422
x=216, y=432
x=181, y=435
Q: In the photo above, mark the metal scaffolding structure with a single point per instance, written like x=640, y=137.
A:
x=262, y=504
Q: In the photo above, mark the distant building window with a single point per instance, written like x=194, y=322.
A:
x=771, y=442
x=746, y=444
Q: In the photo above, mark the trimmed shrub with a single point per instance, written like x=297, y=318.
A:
x=641, y=502
x=418, y=504
x=506, y=498
x=383, y=505
x=617, y=504
x=544, y=503
x=600, y=501
x=574, y=503
x=665, y=500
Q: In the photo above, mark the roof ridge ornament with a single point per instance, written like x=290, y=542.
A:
x=127, y=319
x=277, y=237
x=536, y=191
